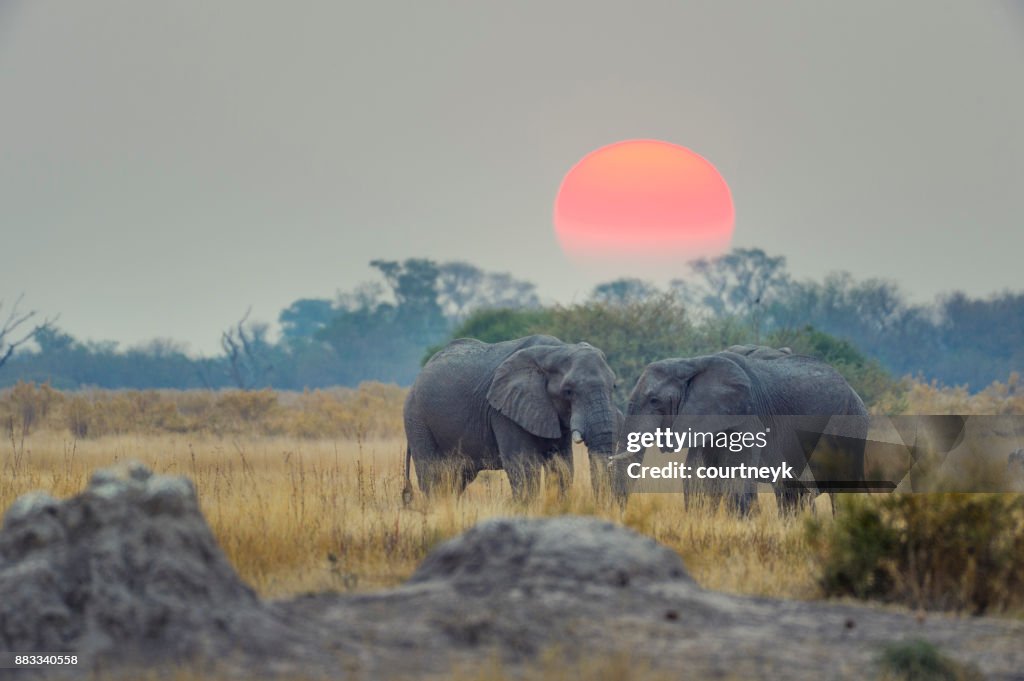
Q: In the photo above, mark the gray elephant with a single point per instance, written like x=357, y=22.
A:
x=516, y=405
x=733, y=391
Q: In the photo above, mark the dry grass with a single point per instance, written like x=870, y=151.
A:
x=371, y=410
x=303, y=490
x=297, y=515
x=998, y=399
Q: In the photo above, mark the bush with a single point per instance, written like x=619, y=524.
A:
x=918, y=660
x=633, y=333
x=27, y=405
x=932, y=551
x=493, y=325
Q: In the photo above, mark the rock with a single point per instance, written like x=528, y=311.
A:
x=126, y=572
x=556, y=553
x=28, y=505
x=174, y=496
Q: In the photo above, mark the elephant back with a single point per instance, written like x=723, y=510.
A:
x=803, y=385
x=458, y=347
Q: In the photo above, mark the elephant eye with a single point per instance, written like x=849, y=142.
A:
x=655, y=402
x=567, y=392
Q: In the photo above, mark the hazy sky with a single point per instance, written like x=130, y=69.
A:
x=163, y=165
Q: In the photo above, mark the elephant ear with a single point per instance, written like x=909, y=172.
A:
x=519, y=391
x=718, y=386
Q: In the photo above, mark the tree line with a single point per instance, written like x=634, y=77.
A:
x=384, y=329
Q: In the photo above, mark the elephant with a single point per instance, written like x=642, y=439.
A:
x=516, y=405
x=733, y=391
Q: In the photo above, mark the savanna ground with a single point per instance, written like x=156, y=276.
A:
x=304, y=491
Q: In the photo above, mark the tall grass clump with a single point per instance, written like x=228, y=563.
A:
x=961, y=552
x=918, y=660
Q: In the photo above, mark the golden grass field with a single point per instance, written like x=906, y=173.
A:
x=297, y=515
x=304, y=490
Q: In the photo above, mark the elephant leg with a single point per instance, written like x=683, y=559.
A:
x=600, y=477
x=559, y=468
x=791, y=499
x=692, y=488
x=428, y=475
x=467, y=476
x=439, y=475
x=436, y=470
x=521, y=457
x=742, y=501
x=524, y=477
x=426, y=455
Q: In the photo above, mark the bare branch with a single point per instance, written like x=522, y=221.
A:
x=10, y=339
x=246, y=353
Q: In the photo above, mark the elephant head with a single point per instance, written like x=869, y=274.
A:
x=710, y=393
x=711, y=386
x=550, y=390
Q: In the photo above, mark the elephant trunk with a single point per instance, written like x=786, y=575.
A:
x=602, y=442
x=618, y=474
x=593, y=422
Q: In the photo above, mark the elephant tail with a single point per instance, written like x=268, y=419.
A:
x=407, y=490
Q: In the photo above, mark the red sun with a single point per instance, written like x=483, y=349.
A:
x=644, y=198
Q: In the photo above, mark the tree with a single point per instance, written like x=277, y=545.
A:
x=494, y=325
x=873, y=315
x=978, y=341
x=632, y=335
x=13, y=333
x=248, y=354
x=52, y=340
x=742, y=282
x=459, y=286
x=623, y=291
x=501, y=289
x=305, y=317
x=414, y=286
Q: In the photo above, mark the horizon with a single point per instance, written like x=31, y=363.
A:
x=182, y=345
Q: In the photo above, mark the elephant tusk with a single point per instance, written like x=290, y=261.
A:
x=577, y=437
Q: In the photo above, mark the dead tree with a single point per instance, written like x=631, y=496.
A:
x=246, y=351
x=13, y=333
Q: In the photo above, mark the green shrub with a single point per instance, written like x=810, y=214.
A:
x=917, y=660
x=932, y=551
x=634, y=333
